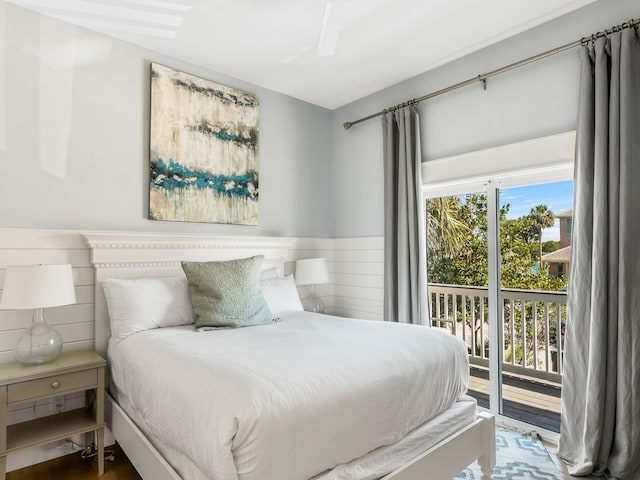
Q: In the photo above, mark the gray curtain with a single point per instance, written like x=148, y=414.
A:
x=600, y=431
x=405, y=268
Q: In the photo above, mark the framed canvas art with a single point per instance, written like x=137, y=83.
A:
x=203, y=150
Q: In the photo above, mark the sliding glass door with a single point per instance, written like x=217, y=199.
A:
x=458, y=271
x=498, y=262
x=535, y=247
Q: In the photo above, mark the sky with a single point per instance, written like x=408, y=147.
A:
x=558, y=196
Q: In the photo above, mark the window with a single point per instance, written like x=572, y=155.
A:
x=568, y=226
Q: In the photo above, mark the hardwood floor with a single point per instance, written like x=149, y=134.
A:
x=73, y=467
x=525, y=400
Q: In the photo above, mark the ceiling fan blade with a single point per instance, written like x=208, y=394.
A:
x=331, y=26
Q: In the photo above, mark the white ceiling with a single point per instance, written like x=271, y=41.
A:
x=273, y=43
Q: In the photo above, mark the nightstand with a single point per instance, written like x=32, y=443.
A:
x=69, y=372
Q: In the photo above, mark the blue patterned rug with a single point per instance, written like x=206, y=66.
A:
x=518, y=457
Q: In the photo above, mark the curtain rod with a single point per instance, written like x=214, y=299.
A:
x=483, y=78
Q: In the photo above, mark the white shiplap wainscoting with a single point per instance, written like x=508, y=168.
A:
x=358, y=277
x=76, y=322
x=30, y=247
x=313, y=248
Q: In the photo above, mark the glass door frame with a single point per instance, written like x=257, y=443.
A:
x=495, y=300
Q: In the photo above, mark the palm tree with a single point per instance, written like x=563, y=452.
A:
x=446, y=233
x=541, y=217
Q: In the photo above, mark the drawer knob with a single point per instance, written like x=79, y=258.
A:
x=55, y=384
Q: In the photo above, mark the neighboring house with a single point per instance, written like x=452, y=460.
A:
x=559, y=260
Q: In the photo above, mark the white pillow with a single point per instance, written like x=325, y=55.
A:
x=281, y=294
x=269, y=274
x=145, y=303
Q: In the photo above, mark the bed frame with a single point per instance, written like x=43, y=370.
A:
x=124, y=255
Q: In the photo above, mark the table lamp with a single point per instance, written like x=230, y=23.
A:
x=311, y=272
x=37, y=287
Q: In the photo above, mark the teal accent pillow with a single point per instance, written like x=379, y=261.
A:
x=227, y=294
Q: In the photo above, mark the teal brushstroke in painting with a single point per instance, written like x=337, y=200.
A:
x=228, y=137
x=173, y=176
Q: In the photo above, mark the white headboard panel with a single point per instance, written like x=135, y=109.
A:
x=126, y=255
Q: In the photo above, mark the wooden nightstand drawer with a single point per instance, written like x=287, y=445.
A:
x=42, y=387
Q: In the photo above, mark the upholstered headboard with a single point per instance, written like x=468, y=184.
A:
x=125, y=255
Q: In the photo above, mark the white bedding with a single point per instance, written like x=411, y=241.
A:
x=289, y=400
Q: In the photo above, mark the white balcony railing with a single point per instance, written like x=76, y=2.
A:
x=532, y=325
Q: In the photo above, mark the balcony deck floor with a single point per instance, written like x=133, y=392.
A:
x=529, y=401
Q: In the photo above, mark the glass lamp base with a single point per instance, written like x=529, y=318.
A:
x=312, y=303
x=40, y=342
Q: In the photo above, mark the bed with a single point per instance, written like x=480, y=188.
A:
x=274, y=410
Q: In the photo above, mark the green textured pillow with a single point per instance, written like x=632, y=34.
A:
x=227, y=294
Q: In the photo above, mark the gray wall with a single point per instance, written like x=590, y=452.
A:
x=534, y=101
x=74, y=109
x=74, y=127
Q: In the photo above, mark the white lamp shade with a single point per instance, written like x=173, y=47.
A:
x=38, y=286
x=312, y=271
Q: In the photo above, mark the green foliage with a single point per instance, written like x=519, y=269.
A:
x=448, y=230
x=457, y=247
x=550, y=246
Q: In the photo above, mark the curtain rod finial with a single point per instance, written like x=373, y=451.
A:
x=347, y=125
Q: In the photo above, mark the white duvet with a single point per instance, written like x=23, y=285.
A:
x=288, y=400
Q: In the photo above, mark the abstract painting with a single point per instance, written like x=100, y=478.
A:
x=203, y=150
